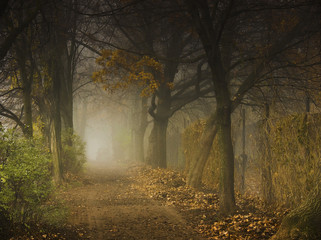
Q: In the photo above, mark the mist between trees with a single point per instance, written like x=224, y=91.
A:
x=227, y=92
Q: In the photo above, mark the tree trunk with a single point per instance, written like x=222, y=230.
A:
x=173, y=147
x=267, y=187
x=139, y=133
x=81, y=118
x=220, y=121
x=139, y=145
x=67, y=113
x=157, y=144
x=150, y=149
x=304, y=222
x=243, y=159
x=195, y=171
x=55, y=118
x=55, y=129
x=227, y=199
x=66, y=92
x=161, y=150
x=56, y=72
x=55, y=146
x=44, y=106
x=220, y=124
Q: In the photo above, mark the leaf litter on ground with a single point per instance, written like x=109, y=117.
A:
x=251, y=220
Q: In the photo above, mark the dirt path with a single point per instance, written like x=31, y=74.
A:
x=110, y=207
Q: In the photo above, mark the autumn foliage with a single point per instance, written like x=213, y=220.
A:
x=200, y=207
x=120, y=69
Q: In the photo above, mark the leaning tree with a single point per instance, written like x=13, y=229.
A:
x=237, y=67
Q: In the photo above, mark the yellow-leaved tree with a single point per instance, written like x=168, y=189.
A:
x=118, y=70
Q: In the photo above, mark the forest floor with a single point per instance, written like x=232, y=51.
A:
x=112, y=204
x=136, y=202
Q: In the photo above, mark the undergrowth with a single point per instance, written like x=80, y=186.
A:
x=26, y=185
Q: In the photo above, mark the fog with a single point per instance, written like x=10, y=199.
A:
x=98, y=140
x=93, y=123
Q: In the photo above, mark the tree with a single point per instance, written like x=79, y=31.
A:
x=53, y=56
x=15, y=19
x=148, y=29
x=9, y=16
x=212, y=22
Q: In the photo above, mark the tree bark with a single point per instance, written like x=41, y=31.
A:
x=67, y=112
x=139, y=145
x=55, y=129
x=304, y=222
x=227, y=199
x=81, y=118
x=243, y=159
x=55, y=118
x=161, y=150
x=150, y=149
x=139, y=132
x=157, y=144
x=66, y=89
x=55, y=146
x=267, y=187
x=163, y=108
x=56, y=72
x=210, y=38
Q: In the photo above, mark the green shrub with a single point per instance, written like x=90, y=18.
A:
x=54, y=213
x=25, y=175
x=73, y=152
